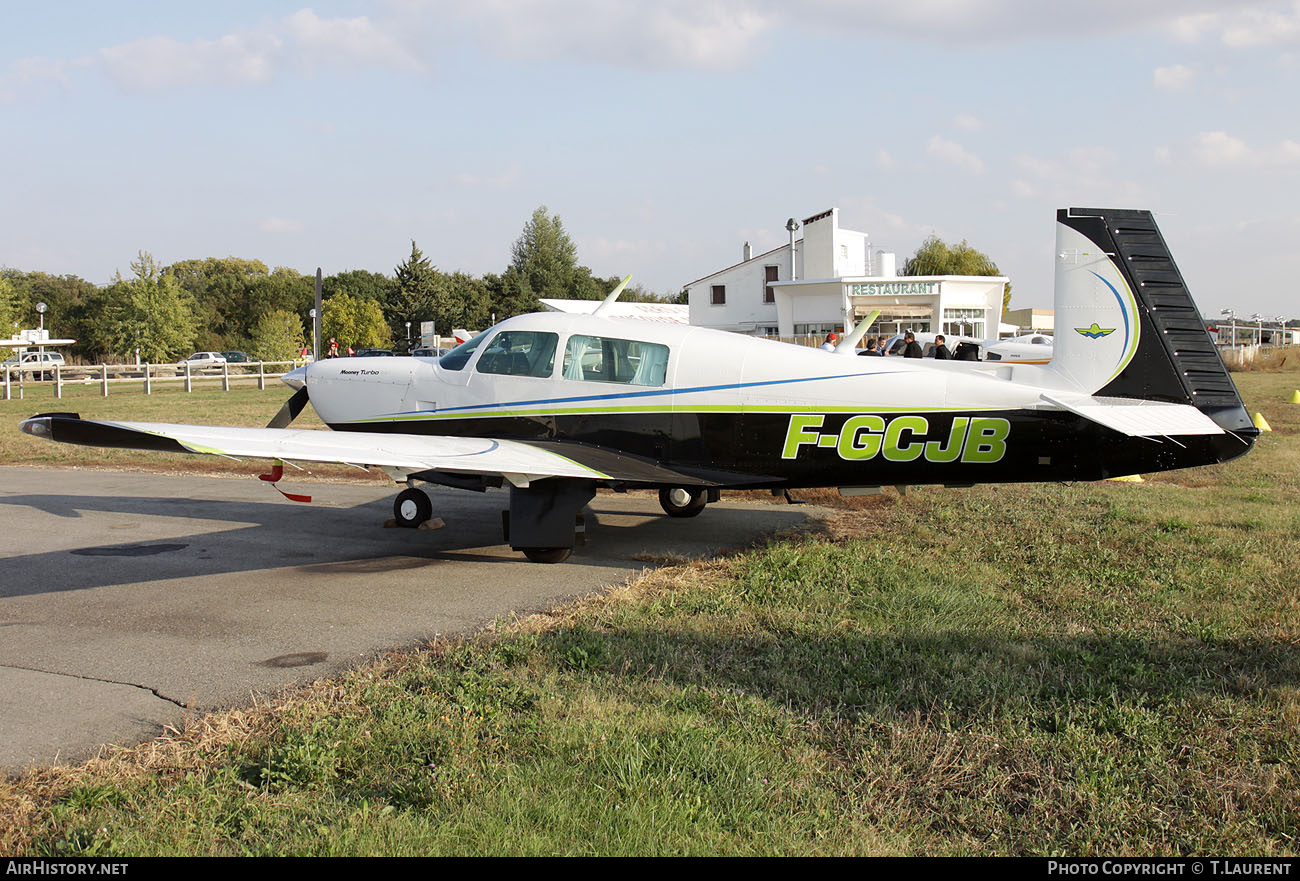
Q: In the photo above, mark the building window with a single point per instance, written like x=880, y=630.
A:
x=769, y=276
x=719, y=295
x=964, y=322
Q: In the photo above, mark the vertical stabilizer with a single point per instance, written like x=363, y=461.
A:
x=1126, y=326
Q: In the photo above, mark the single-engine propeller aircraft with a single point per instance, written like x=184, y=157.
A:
x=556, y=405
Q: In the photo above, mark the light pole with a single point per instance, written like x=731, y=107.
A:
x=408, y=334
x=1232, y=317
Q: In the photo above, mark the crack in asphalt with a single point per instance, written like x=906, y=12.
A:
x=155, y=692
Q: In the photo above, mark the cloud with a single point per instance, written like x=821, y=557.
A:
x=280, y=225
x=884, y=161
x=1174, y=77
x=302, y=41
x=347, y=42
x=500, y=181
x=954, y=154
x=671, y=34
x=1245, y=25
x=966, y=122
x=1081, y=174
x=156, y=63
x=27, y=75
x=1220, y=150
x=409, y=35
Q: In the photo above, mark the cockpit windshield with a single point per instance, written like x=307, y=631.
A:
x=459, y=356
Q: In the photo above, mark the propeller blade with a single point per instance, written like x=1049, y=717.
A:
x=290, y=410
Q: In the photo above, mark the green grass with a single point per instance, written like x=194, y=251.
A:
x=1101, y=668
x=206, y=405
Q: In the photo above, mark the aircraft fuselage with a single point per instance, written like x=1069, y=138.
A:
x=727, y=404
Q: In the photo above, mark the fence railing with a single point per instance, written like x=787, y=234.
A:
x=244, y=373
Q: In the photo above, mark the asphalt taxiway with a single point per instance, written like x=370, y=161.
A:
x=129, y=599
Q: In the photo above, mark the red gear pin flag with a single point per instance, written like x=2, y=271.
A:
x=277, y=471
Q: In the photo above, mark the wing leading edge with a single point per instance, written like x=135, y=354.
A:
x=517, y=461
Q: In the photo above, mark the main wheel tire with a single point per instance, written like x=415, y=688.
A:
x=547, y=555
x=680, y=501
x=411, y=508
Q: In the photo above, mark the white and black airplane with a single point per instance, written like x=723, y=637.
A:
x=555, y=405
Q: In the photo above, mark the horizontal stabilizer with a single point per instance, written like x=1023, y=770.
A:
x=1137, y=418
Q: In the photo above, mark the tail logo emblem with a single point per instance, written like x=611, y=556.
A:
x=1095, y=332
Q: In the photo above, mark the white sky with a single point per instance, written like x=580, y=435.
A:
x=664, y=134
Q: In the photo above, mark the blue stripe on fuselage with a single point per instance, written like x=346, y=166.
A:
x=626, y=395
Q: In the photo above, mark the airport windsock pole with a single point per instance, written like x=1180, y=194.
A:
x=316, y=322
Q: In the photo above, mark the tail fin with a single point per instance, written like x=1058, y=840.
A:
x=1126, y=327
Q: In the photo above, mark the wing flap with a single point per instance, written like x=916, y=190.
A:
x=1137, y=418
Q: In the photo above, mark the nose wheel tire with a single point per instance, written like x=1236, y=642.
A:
x=547, y=555
x=679, y=501
x=411, y=508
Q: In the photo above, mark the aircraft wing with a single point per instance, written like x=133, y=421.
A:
x=1137, y=418
x=517, y=461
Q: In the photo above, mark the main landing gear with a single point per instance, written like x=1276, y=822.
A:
x=679, y=501
x=411, y=508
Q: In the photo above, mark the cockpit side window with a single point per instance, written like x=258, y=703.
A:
x=519, y=353
x=459, y=356
x=603, y=359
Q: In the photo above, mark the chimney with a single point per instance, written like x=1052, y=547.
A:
x=749, y=252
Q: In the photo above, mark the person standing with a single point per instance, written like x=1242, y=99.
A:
x=941, y=352
x=831, y=339
x=911, y=348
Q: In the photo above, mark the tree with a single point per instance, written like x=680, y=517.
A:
x=416, y=291
x=510, y=294
x=936, y=257
x=354, y=322
x=277, y=336
x=11, y=306
x=222, y=291
x=285, y=290
x=360, y=283
x=151, y=313
x=463, y=301
x=72, y=303
x=546, y=258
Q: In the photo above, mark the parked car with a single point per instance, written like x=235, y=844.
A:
x=429, y=352
x=204, y=358
x=371, y=353
x=236, y=357
x=34, y=365
x=202, y=361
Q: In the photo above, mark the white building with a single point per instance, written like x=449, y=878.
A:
x=826, y=281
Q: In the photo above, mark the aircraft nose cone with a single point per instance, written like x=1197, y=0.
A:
x=296, y=378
